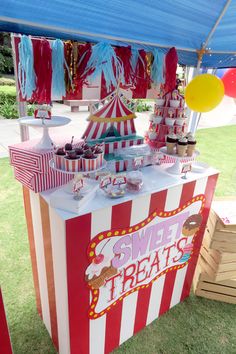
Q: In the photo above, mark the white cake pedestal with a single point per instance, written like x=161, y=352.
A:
x=56, y=121
x=176, y=168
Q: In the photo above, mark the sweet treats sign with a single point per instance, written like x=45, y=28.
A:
x=125, y=260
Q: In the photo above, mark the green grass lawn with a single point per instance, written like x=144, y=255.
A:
x=195, y=326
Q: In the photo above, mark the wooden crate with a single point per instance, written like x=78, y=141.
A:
x=221, y=291
x=212, y=263
x=219, y=236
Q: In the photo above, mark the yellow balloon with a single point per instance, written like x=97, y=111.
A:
x=204, y=93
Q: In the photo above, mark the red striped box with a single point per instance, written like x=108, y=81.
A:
x=24, y=155
x=128, y=297
x=39, y=182
x=32, y=169
x=90, y=164
x=72, y=165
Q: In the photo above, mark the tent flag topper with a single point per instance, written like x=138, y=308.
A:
x=122, y=261
x=114, y=119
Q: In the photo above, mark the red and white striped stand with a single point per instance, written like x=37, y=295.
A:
x=106, y=273
x=5, y=341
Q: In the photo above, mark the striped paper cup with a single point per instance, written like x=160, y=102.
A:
x=89, y=164
x=59, y=161
x=72, y=165
x=100, y=159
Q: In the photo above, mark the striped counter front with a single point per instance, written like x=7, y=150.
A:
x=104, y=274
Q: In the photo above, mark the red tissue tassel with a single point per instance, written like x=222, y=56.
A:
x=124, y=54
x=43, y=71
x=141, y=77
x=84, y=53
x=170, y=69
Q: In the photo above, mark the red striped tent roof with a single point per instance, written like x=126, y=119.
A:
x=113, y=111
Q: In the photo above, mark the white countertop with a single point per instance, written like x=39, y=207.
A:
x=155, y=179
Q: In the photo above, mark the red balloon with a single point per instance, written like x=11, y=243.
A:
x=229, y=81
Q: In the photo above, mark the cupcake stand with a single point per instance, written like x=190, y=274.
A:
x=178, y=161
x=106, y=270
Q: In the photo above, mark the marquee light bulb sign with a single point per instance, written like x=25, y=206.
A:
x=126, y=260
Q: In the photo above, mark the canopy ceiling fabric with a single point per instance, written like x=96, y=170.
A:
x=184, y=24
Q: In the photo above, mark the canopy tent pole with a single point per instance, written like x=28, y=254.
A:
x=22, y=106
x=196, y=116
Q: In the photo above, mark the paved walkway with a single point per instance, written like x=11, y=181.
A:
x=224, y=114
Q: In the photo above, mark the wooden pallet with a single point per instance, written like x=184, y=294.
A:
x=221, y=291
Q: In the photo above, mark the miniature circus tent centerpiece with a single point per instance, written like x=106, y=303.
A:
x=113, y=121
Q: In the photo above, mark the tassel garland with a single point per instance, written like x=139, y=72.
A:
x=58, y=80
x=157, y=67
x=26, y=74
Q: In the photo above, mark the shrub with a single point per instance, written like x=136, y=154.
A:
x=7, y=93
x=143, y=107
x=8, y=110
x=4, y=81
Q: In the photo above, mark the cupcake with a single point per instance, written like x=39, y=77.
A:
x=79, y=151
x=191, y=145
x=89, y=161
x=182, y=145
x=86, y=146
x=171, y=141
x=59, y=158
x=98, y=271
x=69, y=146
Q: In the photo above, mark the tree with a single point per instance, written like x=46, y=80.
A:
x=6, y=61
